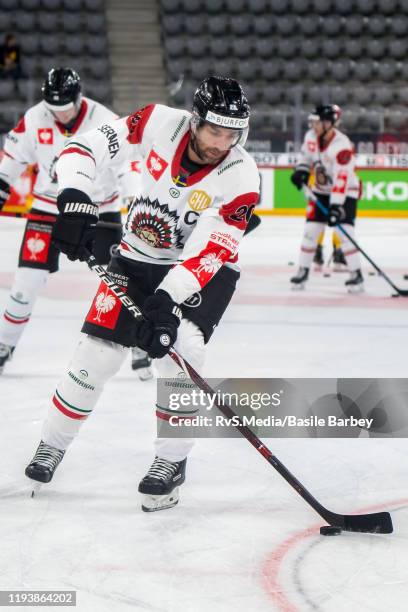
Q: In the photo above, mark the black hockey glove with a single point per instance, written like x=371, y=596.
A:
x=74, y=229
x=253, y=223
x=336, y=215
x=4, y=192
x=300, y=178
x=158, y=332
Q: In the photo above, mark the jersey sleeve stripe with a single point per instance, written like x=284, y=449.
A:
x=79, y=144
x=71, y=149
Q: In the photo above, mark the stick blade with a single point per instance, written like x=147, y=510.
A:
x=379, y=522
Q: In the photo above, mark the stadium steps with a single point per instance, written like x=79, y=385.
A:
x=136, y=56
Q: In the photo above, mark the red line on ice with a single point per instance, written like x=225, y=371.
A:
x=273, y=563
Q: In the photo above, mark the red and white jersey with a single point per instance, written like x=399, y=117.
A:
x=195, y=221
x=38, y=139
x=129, y=181
x=333, y=166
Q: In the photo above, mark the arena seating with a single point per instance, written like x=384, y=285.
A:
x=54, y=32
x=350, y=52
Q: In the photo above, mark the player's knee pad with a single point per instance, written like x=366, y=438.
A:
x=27, y=283
x=76, y=395
x=96, y=360
x=350, y=251
x=311, y=234
x=190, y=345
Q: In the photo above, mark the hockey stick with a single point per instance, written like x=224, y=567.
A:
x=311, y=196
x=379, y=522
x=26, y=215
x=52, y=218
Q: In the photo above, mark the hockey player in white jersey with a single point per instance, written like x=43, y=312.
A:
x=38, y=139
x=177, y=259
x=329, y=154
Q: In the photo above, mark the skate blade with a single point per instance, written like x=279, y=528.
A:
x=298, y=287
x=356, y=290
x=318, y=267
x=153, y=503
x=144, y=373
x=340, y=268
x=36, y=488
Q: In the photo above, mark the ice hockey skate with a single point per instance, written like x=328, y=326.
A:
x=141, y=363
x=6, y=353
x=43, y=465
x=299, y=280
x=160, y=486
x=355, y=284
x=339, y=261
x=318, y=258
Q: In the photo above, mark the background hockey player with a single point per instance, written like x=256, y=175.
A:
x=337, y=256
x=38, y=139
x=330, y=155
x=177, y=258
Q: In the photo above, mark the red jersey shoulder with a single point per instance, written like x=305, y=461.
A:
x=136, y=123
x=344, y=156
x=20, y=127
x=238, y=212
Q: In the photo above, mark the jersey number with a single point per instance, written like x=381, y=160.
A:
x=243, y=213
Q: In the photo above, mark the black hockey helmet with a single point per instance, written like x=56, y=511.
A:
x=221, y=101
x=61, y=89
x=326, y=112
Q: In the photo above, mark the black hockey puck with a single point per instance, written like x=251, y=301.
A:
x=328, y=530
x=291, y=263
x=371, y=274
x=326, y=274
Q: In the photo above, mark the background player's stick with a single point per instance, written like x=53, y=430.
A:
x=311, y=196
x=27, y=215
x=51, y=219
x=379, y=522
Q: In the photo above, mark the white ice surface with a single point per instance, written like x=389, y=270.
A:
x=240, y=539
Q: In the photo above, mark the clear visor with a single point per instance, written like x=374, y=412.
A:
x=239, y=135
x=55, y=108
x=312, y=119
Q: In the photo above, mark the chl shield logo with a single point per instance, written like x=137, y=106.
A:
x=199, y=200
x=45, y=136
x=156, y=165
x=194, y=301
x=155, y=224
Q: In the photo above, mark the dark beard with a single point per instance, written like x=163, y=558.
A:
x=196, y=148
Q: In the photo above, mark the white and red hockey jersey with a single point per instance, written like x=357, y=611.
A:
x=195, y=221
x=39, y=138
x=333, y=166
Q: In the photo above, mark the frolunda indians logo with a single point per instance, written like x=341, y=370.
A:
x=155, y=224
